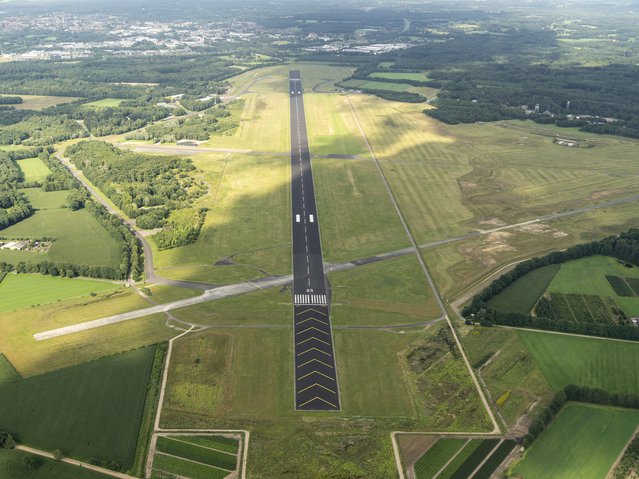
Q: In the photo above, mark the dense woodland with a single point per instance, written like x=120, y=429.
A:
x=14, y=206
x=624, y=247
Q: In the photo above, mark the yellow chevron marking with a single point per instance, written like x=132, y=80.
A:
x=314, y=338
x=317, y=397
x=315, y=349
x=316, y=360
x=313, y=327
x=313, y=319
x=315, y=372
x=312, y=386
x=311, y=309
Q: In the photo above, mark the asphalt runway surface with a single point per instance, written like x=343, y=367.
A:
x=316, y=386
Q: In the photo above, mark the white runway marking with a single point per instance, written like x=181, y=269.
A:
x=311, y=299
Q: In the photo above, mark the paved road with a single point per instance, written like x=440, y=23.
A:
x=316, y=385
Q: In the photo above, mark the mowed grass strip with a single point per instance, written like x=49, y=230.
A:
x=184, y=468
x=582, y=442
x=416, y=76
x=92, y=410
x=23, y=290
x=588, y=276
x=436, y=457
x=464, y=454
x=521, y=296
x=197, y=453
x=592, y=362
x=220, y=443
x=33, y=169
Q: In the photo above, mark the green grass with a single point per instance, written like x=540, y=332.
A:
x=399, y=76
x=23, y=290
x=436, y=457
x=193, y=452
x=187, y=469
x=383, y=293
x=104, y=103
x=40, y=102
x=221, y=443
x=12, y=467
x=464, y=454
x=597, y=363
x=521, y=296
x=90, y=410
x=582, y=442
x=357, y=218
x=33, y=169
x=7, y=371
x=374, y=85
x=79, y=238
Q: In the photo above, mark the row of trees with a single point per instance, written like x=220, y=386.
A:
x=624, y=247
x=14, y=206
x=10, y=100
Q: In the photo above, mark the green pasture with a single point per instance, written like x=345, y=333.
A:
x=521, y=296
x=33, y=169
x=24, y=290
x=582, y=442
x=596, y=363
x=104, y=103
x=92, y=410
x=417, y=76
x=12, y=466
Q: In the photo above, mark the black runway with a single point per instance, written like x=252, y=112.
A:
x=316, y=385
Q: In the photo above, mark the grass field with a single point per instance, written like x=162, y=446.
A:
x=31, y=357
x=521, y=296
x=365, y=85
x=39, y=102
x=12, y=467
x=512, y=372
x=33, y=169
x=78, y=235
x=437, y=457
x=104, y=103
x=597, y=363
x=24, y=290
x=248, y=221
x=389, y=292
x=582, y=442
x=7, y=372
x=357, y=217
x=400, y=75
x=90, y=410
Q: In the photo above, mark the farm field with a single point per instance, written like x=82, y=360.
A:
x=389, y=292
x=26, y=290
x=33, y=169
x=90, y=410
x=365, y=85
x=104, y=103
x=248, y=222
x=79, y=238
x=437, y=456
x=521, y=296
x=31, y=357
x=204, y=457
x=40, y=102
x=12, y=467
x=417, y=76
x=509, y=370
x=597, y=363
x=582, y=442
x=357, y=217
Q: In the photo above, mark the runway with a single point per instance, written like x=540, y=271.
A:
x=316, y=385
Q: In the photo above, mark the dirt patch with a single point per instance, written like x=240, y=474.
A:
x=541, y=228
x=466, y=185
x=597, y=195
x=414, y=447
x=493, y=222
x=486, y=253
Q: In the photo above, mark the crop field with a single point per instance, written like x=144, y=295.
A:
x=512, y=372
x=90, y=410
x=357, y=217
x=400, y=75
x=30, y=357
x=437, y=456
x=582, y=442
x=40, y=102
x=521, y=296
x=12, y=467
x=26, y=290
x=33, y=169
x=78, y=235
x=248, y=221
x=104, y=103
x=331, y=126
x=195, y=457
x=389, y=292
x=597, y=363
